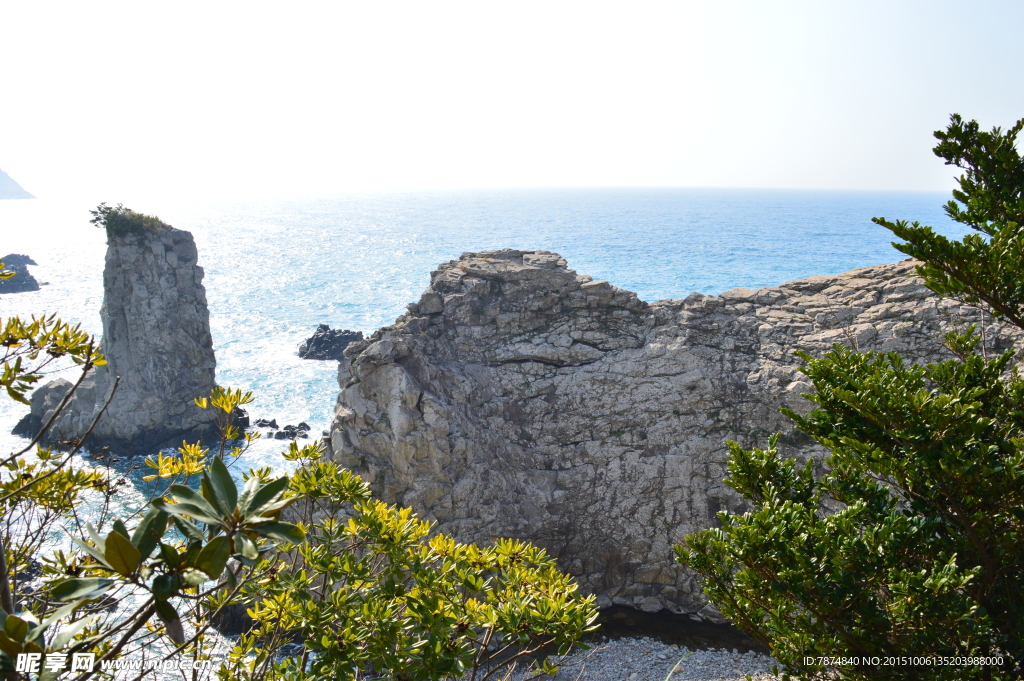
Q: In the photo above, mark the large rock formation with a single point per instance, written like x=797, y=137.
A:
x=156, y=337
x=519, y=399
x=22, y=280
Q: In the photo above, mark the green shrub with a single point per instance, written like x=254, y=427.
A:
x=378, y=594
x=363, y=586
x=925, y=559
x=120, y=220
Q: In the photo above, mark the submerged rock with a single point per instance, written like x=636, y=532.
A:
x=519, y=399
x=156, y=337
x=22, y=280
x=327, y=343
x=288, y=432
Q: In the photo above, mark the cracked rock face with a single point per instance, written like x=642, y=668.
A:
x=519, y=399
x=156, y=337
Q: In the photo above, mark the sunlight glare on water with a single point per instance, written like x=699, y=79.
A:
x=274, y=270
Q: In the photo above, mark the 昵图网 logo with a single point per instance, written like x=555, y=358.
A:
x=86, y=662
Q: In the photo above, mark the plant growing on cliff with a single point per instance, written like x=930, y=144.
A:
x=375, y=592
x=170, y=572
x=926, y=558
x=120, y=220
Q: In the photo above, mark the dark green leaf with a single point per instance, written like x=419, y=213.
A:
x=221, y=484
x=172, y=623
x=149, y=531
x=71, y=589
x=266, y=495
x=214, y=556
x=165, y=586
x=170, y=556
x=206, y=491
x=187, y=495
x=286, y=532
x=16, y=628
x=188, y=529
x=246, y=546
x=118, y=526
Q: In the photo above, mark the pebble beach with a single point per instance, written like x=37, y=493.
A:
x=647, y=659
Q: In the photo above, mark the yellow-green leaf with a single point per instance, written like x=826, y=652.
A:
x=120, y=553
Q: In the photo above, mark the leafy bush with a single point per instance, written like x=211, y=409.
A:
x=120, y=220
x=374, y=594
x=926, y=558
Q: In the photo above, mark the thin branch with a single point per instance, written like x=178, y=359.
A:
x=56, y=412
x=141, y=619
x=6, y=599
x=74, y=451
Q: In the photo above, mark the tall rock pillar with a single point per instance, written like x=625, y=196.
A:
x=156, y=338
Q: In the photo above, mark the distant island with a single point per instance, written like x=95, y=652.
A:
x=9, y=189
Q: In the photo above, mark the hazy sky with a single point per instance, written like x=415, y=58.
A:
x=247, y=98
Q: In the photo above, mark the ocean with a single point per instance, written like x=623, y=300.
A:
x=275, y=269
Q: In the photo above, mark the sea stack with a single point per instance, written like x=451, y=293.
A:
x=156, y=338
x=519, y=399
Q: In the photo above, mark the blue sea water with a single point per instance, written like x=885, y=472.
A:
x=276, y=269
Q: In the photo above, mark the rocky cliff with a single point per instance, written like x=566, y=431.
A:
x=519, y=399
x=156, y=337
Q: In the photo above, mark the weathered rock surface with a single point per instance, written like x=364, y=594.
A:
x=156, y=337
x=22, y=280
x=327, y=343
x=519, y=399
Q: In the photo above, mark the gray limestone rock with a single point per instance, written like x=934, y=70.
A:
x=519, y=399
x=156, y=337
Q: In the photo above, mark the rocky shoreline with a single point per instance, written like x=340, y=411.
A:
x=646, y=659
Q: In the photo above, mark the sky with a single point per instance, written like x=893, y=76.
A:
x=246, y=99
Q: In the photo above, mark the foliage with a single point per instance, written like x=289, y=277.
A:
x=926, y=555
x=976, y=269
x=376, y=594
x=376, y=591
x=120, y=220
x=227, y=404
x=31, y=348
x=186, y=557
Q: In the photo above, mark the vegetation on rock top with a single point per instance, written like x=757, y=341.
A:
x=120, y=220
x=922, y=566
